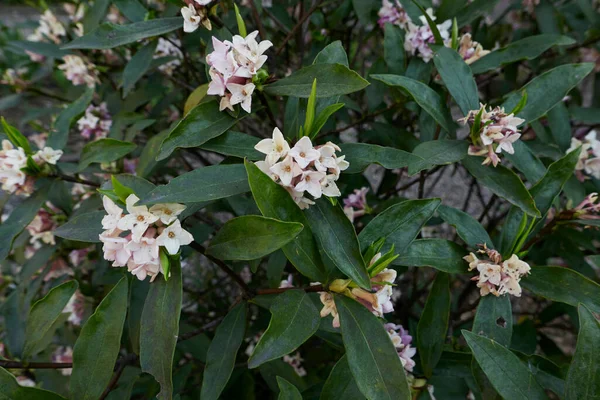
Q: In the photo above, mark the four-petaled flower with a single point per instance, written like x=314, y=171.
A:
x=138, y=219
x=174, y=236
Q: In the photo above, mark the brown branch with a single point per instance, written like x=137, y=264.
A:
x=315, y=288
x=261, y=28
x=10, y=364
x=198, y=331
x=297, y=26
x=75, y=179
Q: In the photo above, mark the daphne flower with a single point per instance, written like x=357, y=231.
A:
x=329, y=308
x=75, y=308
x=295, y=362
x=286, y=170
x=78, y=71
x=496, y=276
x=470, y=50
x=49, y=155
x=138, y=219
x=166, y=48
x=141, y=271
x=114, y=248
x=304, y=153
x=241, y=94
x=402, y=340
x=249, y=53
x=311, y=182
x=418, y=37
x=63, y=355
x=589, y=157
x=145, y=250
x=167, y=213
x=173, y=237
x=96, y=122
x=191, y=20
x=275, y=148
x=329, y=188
x=114, y=214
x=392, y=13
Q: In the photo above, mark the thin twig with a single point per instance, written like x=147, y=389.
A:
x=75, y=179
x=10, y=364
x=315, y=288
x=198, y=331
x=297, y=26
x=261, y=28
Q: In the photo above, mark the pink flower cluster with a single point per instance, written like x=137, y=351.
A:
x=41, y=228
x=589, y=158
x=232, y=67
x=75, y=308
x=79, y=71
x=418, y=37
x=402, y=340
x=134, y=239
x=302, y=168
x=355, y=205
x=95, y=123
x=392, y=13
x=470, y=50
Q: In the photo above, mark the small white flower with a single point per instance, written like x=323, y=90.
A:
x=204, y=2
x=304, y=153
x=191, y=20
x=167, y=213
x=275, y=148
x=114, y=214
x=329, y=308
x=329, y=187
x=286, y=170
x=241, y=94
x=311, y=182
x=138, y=219
x=173, y=237
x=145, y=251
x=50, y=155
x=114, y=249
x=141, y=271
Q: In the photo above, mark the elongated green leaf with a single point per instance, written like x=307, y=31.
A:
x=399, y=224
x=504, y=183
x=159, y=329
x=45, y=49
x=473, y=10
x=251, y=237
x=583, y=380
x=563, y=285
x=466, y=226
x=525, y=49
x=425, y=97
x=104, y=151
x=433, y=325
x=140, y=186
x=526, y=161
x=43, y=314
x=334, y=80
x=203, y=123
x=393, y=46
x=560, y=125
x=132, y=9
x=372, y=357
x=108, y=35
x=235, y=144
x=440, y=254
x=509, y=376
x=361, y=155
x=333, y=53
x=437, y=152
x=95, y=14
x=222, y=352
x=340, y=384
x=137, y=66
x=275, y=202
x=586, y=115
x=335, y=233
x=547, y=89
x=11, y=390
x=98, y=344
x=458, y=78
x=83, y=228
x=57, y=139
x=287, y=391
x=494, y=320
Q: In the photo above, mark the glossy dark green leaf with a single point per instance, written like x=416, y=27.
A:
x=525, y=49
x=147, y=161
x=457, y=77
x=250, y=237
x=547, y=89
x=337, y=238
x=494, y=320
x=583, y=380
x=98, y=344
x=333, y=53
x=43, y=314
x=94, y=14
x=83, y=228
x=560, y=125
x=140, y=186
x=59, y=134
x=474, y=10
x=109, y=35
x=132, y=9
x=137, y=66
x=440, y=254
x=203, y=123
x=333, y=80
x=526, y=161
x=222, y=352
x=399, y=224
x=425, y=97
x=437, y=152
x=393, y=49
x=341, y=384
x=159, y=329
x=372, y=358
x=509, y=376
x=275, y=202
x=11, y=390
x=503, y=182
x=235, y=144
x=287, y=391
x=467, y=227
x=433, y=324
x=104, y=151
x=586, y=115
x=361, y=155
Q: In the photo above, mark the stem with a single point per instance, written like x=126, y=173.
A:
x=315, y=288
x=261, y=28
x=75, y=179
x=198, y=331
x=297, y=26
x=10, y=364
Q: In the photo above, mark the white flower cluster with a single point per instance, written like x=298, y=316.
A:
x=195, y=14
x=79, y=71
x=498, y=132
x=49, y=28
x=418, y=37
x=589, y=158
x=165, y=48
x=470, y=50
x=232, y=67
x=496, y=276
x=303, y=168
x=133, y=239
x=402, y=340
x=95, y=123
x=41, y=229
x=13, y=160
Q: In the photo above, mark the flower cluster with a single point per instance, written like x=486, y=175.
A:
x=95, y=123
x=497, y=132
x=302, y=168
x=41, y=229
x=392, y=13
x=13, y=160
x=232, y=67
x=496, y=276
x=15, y=78
x=75, y=308
x=470, y=50
x=355, y=205
x=402, y=340
x=79, y=71
x=49, y=28
x=165, y=48
x=589, y=158
x=63, y=354
x=134, y=239
x=195, y=14
x=418, y=37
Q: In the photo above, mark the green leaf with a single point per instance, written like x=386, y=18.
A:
x=432, y=25
x=104, y=151
x=140, y=186
x=560, y=125
x=494, y=319
x=98, y=344
x=203, y=123
x=83, y=228
x=49, y=50
x=337, y=238
x=310, y=109
x=589, y=116
x=474, y=10
x=372, y=357
x=202, y=184
x=132, y=9
x=159, y=329
x=334, y=80
x=275, y=202
x=503, y=182
x=147, y=161
x=287, y=391
x=323, y=117
x=43, y=314
x=440, y=254
x=137, y=66
x=240, y=21
x=222, y=352
x=108, y=35
x=59, y=134
x=437, y=152
x=294, y=320
x=15, y=137
x=393, y=49
x=251, y=237
x=563, y=285
x=361, y=155
x=458, y=78
x=11, y=390
x=94, y=14
x=526, y=161
x=528, y=48
x=235, y=144
x=333, y=53
x=399, y=224
x=509, y=376
x=467, y=227
x=340, y=384
x=548, y=89
x=426, y=97
x=583, y=380
x=433, y=324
